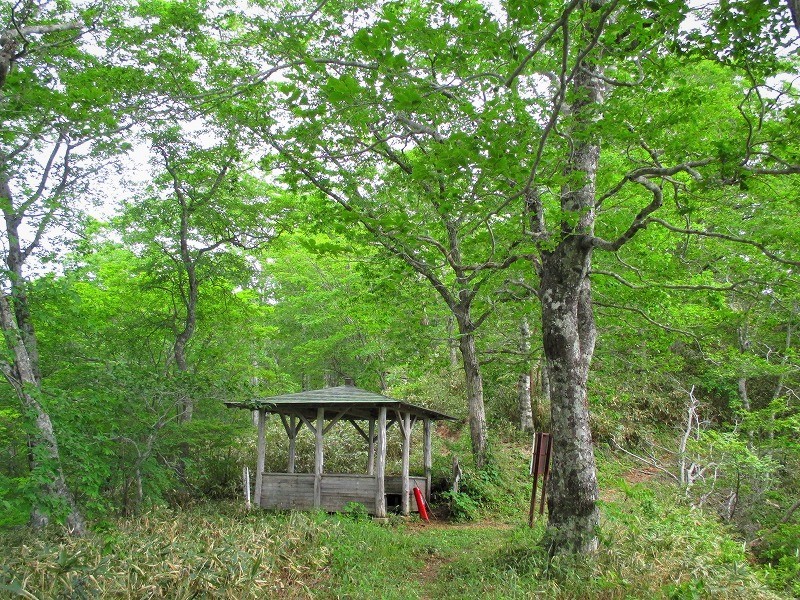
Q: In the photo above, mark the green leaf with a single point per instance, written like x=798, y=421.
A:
x=407, y=98
x=362, y=41
x=340, y=89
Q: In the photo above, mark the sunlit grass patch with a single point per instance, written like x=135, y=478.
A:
x=652, y=546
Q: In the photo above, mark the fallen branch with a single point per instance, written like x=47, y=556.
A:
x=650, y=462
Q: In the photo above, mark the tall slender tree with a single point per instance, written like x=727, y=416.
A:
x=374, y=125
x=204, y=208
x=61, y=107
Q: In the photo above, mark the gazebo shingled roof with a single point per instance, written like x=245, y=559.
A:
x=363, y=404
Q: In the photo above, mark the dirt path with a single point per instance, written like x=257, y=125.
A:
x=429, y=576
x=440, y=553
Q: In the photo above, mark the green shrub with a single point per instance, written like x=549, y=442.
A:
x=14, y=508
x=355, y=511
x=781, y=549
x=462, y=506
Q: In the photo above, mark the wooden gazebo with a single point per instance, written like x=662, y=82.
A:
x=320, y=410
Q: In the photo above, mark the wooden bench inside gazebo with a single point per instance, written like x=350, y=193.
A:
x=371, y=415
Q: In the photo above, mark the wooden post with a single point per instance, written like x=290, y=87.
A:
x=546, y=474
x=405, y=501
x=292, y=437
x=318, y=457
x=246, y=483
x=427, y=457
x=262, y=417
x=535, y=472
x=456, y=474
x=380, y=467
x=540, y=466
x=371, y=448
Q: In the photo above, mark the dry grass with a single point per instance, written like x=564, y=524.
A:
x=166, y=554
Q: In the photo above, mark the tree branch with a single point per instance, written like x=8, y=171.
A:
x=647, y=318
x=785, y=519
x=730, y=238
x=639, y=222
x=384, y=238
x=542, y=41
x=649, y=285
x=24, y=30
x=689, y=167
x=651, y=463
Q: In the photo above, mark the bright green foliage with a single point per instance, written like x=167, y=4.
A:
x=106, y=380
x=64, y=103
x=783, y=564
x=376, y=326
x=14, y=476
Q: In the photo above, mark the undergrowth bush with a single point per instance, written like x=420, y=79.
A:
x=781, y=551
x=479, y=489
x=462, y=506
x=355, y=511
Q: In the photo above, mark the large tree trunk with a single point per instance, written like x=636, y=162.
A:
x=474, y=383
x=44, y=447
x=569, y=332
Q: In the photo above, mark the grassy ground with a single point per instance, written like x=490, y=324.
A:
x=652, y=546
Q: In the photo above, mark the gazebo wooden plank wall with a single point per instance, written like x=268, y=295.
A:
x=319, y=411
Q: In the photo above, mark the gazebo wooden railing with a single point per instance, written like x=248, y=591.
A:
x=319, y=411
